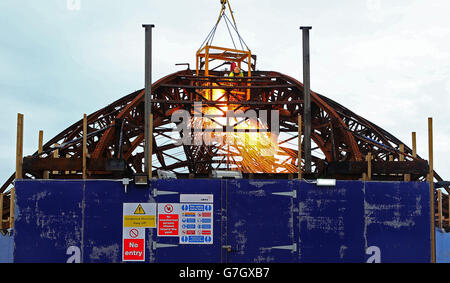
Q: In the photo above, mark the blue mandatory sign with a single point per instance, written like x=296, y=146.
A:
x=196, y=239
x=188, y=226
x=184, y=239
x=208, y=239
x=208, y=208
x=184, y=207
x=196, y=207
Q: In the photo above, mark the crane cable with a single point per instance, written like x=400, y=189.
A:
x=209, y=39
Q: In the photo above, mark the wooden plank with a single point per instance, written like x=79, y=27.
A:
x=414, y=144
x=439, y=205
x=431, y=180
x=406, y=177
x=364, y=176
x=402, y=150
x=85, y=153
x=40, y=142
x=19, y=147
x=55, y=155
x=11, y=207
x=45, y=174
x=369, y=166
x=67, y=157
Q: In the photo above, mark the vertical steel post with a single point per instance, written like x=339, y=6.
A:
x=148, y=92
x=307, y=99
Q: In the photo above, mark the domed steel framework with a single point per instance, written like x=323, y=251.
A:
x=342, y=138
x=115, y=135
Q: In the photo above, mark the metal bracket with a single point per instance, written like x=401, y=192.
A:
x=160, y=246
x=292, y=248
x=227, y=247
x=161, y=193
x=292, y=194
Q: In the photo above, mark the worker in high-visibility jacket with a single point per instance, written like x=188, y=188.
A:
x=237, y=72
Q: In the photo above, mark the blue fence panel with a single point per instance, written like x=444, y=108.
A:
x=6, y=248
x=168, y=191
x=397, y=220
x=48, y=218
x=260, y=225
x=260, y=220
x=331, y=222
x=442, y=246
x=103, y=220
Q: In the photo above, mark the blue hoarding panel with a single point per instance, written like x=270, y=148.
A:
x=169, y=248
x=6, y=248
x=331, y=222
x=397, y=220
x=253, y=221
x=48, y=220
x=442, y=246
x=260, y=226
x=103, y=216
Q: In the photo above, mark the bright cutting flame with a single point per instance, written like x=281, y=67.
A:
x=248, y=152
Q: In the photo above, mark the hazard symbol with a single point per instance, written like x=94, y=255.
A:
x=139, y=210
x=168, y=208
x=134, y=233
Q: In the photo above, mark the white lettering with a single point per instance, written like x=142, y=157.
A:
x=375, y=253
x=75, y=254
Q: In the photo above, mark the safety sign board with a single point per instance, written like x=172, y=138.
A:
x=168, y=219
x=141, y=215
x=196, y=223
x=133, y=244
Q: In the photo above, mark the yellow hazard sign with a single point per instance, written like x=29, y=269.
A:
x=142, y=215
x=139, y=210
x=143, y=221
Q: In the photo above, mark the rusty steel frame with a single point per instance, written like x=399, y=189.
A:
x=115, y=134
x=339, y=134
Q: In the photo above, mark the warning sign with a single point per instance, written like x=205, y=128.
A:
x=196, y=224
x=141, y=215
x=139, y=210
x=133, y=248
x=168, y=219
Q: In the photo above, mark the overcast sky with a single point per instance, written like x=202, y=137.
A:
x=386, y=60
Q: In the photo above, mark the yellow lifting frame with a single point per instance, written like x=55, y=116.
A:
x=224, y=54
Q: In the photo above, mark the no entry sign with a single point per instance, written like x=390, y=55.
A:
x=168, y=219
x=133, y=244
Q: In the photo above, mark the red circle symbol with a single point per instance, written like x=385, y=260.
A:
x=168, y=208
x=134, y=233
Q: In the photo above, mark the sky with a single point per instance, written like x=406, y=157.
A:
x=386, y=60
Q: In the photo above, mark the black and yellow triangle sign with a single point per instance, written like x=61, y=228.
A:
x=139, y=210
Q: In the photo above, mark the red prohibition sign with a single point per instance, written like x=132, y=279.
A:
x=168, y=208
x=134, y=233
